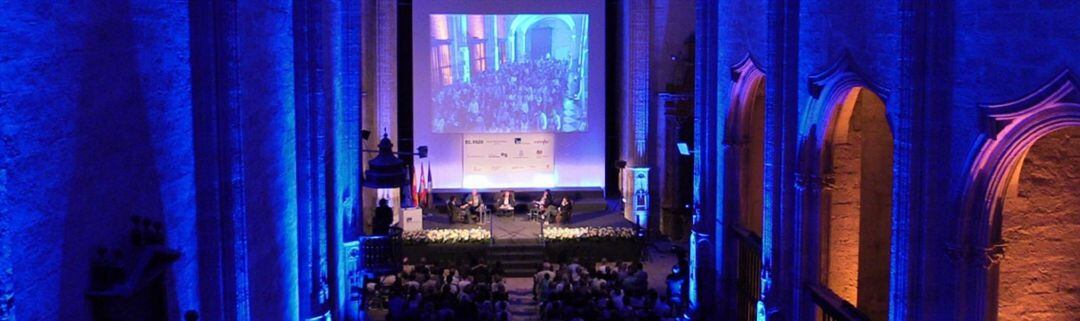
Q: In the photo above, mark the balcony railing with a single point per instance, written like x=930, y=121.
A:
x=748, y=279
x=833, y=308
x=381, y=254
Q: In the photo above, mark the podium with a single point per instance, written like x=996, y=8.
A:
x=412, y=219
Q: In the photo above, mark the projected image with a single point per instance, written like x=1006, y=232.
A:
x=509, y=73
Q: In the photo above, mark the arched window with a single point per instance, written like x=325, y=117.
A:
x=845, y=183
x=1020, y=222
x=856, y=210
x=745, y=136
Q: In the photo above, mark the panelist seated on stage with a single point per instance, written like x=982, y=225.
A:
x=506, y=202
x=474, y=203
x=545, y=207
x=564, y=211
x=456, y=210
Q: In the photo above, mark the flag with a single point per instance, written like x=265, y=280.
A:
x=413, y=189
x=420, y=197
x=428, y=186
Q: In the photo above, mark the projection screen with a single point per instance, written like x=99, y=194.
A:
x=510, y=94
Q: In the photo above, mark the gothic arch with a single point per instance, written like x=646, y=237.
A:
x=747, y=106
x=1009, y=130
x=835, y=94
x=744, y=158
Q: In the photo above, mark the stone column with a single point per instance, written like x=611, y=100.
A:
x=779, y=229
x=703, y=272
x=7, y=281
x=242, y=70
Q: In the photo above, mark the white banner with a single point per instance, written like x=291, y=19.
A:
x=509, y=160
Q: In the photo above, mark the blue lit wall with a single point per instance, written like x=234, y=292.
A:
x=938, y=61
x=134, y=108
x=265, y=103
x=96, y=127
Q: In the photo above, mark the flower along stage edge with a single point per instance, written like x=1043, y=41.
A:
x=594, y=234
x=447, y=236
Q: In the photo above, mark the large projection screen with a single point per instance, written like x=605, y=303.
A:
x=510, y=94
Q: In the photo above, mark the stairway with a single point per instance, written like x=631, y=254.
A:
x=522, y=307
x=519, y=259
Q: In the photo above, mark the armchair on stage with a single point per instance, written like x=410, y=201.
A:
x=505, y=203
x=472, y=210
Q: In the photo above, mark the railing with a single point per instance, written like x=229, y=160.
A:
x=833, y=308
x=748, y=278
x=381, y=254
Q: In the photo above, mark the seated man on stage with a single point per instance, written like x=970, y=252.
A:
x=455, y=208
x=475, y=204
x=566, y=208
x=506, y=203
x=540, y=206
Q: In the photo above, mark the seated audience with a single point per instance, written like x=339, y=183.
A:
x=442, y=292
x=564, y=292
x=573, y=292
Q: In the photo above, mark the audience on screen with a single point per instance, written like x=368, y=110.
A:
x=529, y=95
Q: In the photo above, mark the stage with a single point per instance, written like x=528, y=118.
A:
x=515, y=240
x=518, y=228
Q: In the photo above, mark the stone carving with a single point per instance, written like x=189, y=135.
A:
x=983, y=257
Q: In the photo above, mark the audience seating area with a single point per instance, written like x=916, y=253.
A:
x=457, y=291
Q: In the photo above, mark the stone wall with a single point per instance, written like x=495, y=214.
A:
x=859, y=219
x=96, y=128
x=752, y=167
x=1040, y=274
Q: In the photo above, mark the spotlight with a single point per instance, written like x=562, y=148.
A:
x=421, y=151
x=365, y=134
x=684, y=149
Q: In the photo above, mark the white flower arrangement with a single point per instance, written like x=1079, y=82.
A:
x=589, y=233
x=446, y=236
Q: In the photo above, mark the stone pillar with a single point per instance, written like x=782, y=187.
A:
x=242, y=70
x=380, y=76
x=780, y=232
x=637, y=142
x=7, y=280
x=703, y=246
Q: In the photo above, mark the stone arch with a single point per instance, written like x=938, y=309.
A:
x=522, y=24
x=744, y=129
x=1009, y=131
x=744, y=167
x=845, y=182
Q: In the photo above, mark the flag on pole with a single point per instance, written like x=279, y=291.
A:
x=413, y=188
x=421, y=199
x=428, y=186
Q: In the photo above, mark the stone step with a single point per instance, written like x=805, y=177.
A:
x=520, y=272
x=523, y=254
